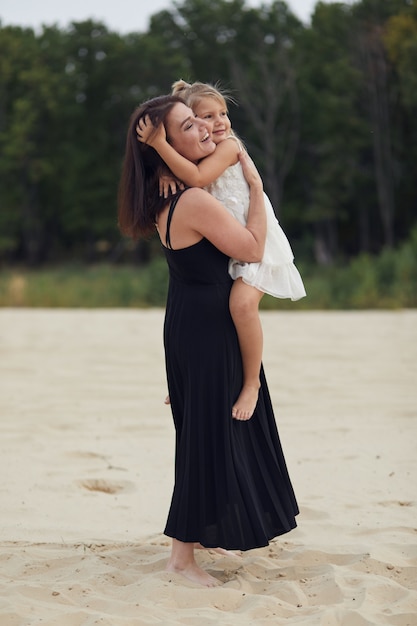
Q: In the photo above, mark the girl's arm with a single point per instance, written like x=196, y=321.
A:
x=207, y=170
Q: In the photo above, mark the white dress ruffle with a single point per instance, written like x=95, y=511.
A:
x=276, y=274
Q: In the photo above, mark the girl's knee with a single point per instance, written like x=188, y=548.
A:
x=243, y=297
x=243, y=303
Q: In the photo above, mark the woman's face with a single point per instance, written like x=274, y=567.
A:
x=188, y=134
x=215, y=114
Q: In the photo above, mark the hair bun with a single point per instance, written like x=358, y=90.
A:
x=179, y=86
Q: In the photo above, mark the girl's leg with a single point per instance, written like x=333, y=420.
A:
x=182, y=561
x=244, y=304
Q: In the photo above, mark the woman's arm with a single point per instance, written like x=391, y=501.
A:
x=199, y=215
x=207, y=170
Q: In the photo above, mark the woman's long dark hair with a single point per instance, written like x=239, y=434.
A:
x=139, y=202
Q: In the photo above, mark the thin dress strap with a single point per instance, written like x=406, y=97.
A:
x=170, y=213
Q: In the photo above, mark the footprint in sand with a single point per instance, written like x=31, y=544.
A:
x=105, y=486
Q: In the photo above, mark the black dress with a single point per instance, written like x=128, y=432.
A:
x=232, y=488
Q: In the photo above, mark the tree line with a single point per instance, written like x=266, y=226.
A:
x=327, y=110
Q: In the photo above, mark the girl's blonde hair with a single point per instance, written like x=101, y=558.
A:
x=192, y=93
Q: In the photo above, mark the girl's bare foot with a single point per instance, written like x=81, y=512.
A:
x=245, y=405
x=167, y=400
x=194, y=573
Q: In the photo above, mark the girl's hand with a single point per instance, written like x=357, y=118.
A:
x=148, y=133
x=249, y=170
x=169, y=185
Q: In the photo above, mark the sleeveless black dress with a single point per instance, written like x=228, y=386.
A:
x=232, y=488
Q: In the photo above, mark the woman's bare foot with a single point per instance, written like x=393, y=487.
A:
x=245, y=405
x=194, y=573
x=167, y=400
x=182, y=562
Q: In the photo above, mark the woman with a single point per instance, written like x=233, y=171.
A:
x=231, y=483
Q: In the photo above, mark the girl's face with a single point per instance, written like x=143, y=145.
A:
x=188, y=135
x=214, y=112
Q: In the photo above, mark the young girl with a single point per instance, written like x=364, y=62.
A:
x=221, y=174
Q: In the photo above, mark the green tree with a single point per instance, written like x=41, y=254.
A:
x=31, y=91
x=371, y=18
x=400, y=38
x=328, y=170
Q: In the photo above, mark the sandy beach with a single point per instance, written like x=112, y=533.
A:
x=86, y=461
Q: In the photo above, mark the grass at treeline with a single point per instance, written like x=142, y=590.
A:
x=388, y=281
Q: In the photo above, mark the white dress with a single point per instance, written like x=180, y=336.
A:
x=276, y=274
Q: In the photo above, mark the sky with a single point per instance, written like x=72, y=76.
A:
x=122, y=16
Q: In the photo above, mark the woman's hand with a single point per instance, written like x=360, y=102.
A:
x=148, y=133
x=249, y=170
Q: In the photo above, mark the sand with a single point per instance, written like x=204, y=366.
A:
x=86, y=461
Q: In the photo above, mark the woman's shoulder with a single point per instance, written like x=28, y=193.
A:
x=197, y=211
x=194, y=196
x=197, y=203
